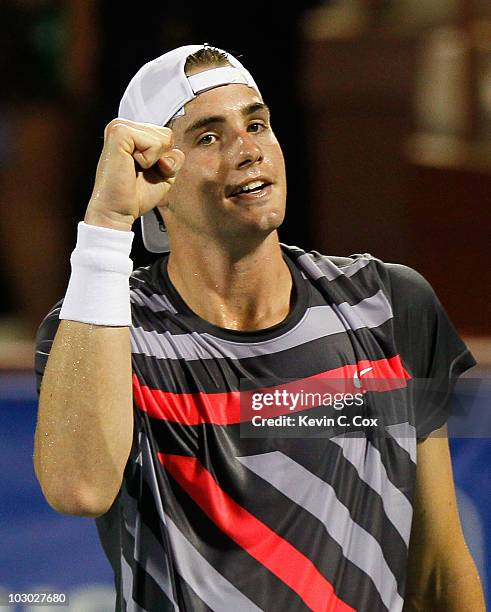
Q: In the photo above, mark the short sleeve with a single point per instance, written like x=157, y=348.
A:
x=429, y=345
x=44, y=341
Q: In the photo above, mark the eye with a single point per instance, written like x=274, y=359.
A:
x=207, y=139
x=256, y=127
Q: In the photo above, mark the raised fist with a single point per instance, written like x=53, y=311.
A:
x=136, y=169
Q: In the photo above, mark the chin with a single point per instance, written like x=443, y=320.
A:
x=271, y=220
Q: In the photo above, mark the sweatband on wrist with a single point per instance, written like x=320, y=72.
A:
x=98, y=291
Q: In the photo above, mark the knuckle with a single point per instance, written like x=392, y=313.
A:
x=116, y=127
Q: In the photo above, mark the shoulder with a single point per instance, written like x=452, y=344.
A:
x=408, y=285
x=401, y=282
x=317, y=265
x=296, y=253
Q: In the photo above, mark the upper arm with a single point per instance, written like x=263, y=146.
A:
x=85, y=427
x=436, y=522
x=440, y=567
x=441, y=572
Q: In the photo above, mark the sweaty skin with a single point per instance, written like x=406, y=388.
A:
x=222, y=245
x=85, y=419
x=189, y=176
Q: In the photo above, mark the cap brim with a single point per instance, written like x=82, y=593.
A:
x=154, y=239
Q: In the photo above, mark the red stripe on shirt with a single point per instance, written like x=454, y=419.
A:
x=266, y=546
x=234, y=406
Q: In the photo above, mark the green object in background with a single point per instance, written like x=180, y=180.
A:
x=47, y=41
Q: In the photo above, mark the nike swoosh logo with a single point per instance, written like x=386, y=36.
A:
x=356, y=377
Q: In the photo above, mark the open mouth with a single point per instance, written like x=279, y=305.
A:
x=251, y=189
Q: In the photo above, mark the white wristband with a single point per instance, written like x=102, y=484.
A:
x=98, y=291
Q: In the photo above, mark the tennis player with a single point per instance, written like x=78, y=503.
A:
x=164, y=400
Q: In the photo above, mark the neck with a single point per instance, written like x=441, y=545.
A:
x=245, y=291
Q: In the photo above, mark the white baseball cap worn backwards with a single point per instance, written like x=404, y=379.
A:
x=158, y=92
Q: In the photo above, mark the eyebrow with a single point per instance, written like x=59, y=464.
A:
x=248, y=110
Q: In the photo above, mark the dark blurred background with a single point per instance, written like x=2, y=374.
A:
x=383, y=108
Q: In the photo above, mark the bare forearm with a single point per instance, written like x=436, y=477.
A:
x=85, y=421
x=85, y=424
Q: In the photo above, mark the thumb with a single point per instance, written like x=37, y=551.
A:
x=171, y=163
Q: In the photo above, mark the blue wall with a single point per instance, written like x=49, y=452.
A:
x=38, y=546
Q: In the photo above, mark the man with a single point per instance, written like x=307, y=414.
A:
x=195, y=509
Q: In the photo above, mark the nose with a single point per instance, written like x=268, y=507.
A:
x=248, y=152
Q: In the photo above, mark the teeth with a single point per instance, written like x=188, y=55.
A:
x=251, y=186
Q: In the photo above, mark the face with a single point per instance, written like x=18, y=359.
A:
x=232, y=185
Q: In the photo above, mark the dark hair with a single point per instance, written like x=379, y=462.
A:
x=207, y=56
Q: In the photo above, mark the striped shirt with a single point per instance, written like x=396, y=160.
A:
x=216, y=513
